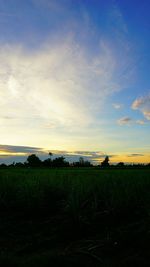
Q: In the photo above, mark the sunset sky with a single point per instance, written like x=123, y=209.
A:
x=75, y=79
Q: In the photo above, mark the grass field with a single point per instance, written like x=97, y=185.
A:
x=70, y=217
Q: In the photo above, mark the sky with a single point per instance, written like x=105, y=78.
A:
x=74, y=79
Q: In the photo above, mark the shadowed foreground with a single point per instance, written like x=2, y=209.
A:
x=74, y=217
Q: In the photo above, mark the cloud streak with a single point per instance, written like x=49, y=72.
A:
x=135, y=155
x=128, y=121
x=8, y=149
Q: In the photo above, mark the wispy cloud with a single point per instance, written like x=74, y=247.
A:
x=60, y=83
x=143, y=105
x=52, y=5
x=141, y=122
x=118, y=20
x=60, y=86
x=117, y=105
x=124, y=121
x=129, y=121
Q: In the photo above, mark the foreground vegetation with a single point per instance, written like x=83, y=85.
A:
x=74, y=216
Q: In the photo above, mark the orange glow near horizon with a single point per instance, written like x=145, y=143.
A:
x=126, y=159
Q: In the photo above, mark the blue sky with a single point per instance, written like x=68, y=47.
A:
x=75, y=77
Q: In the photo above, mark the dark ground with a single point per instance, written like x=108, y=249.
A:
x=53, y=237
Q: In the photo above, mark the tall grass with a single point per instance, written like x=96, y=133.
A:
x=55, y=216
x=78, y=192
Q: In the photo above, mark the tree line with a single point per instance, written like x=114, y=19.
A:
x=33, y=161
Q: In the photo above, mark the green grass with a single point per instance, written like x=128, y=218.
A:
x=86, y=216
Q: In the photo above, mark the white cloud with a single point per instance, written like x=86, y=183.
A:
x=143, y=105
x=60, y=84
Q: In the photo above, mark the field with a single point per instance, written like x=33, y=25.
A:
x=70, y=217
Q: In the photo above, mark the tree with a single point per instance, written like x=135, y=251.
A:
x=3, y=166
x=19, y=165
x=33, y=161
x=120, y=164
x=82, y=163
x=105, y=162
x=47, y=163
x=60, y=162
x=50, y=154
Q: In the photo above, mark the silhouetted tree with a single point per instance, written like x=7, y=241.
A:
x=47, y=163
x=12, y=165
x=120, y=164
x=60, y=162
x=105, y=162
x=19, y=165
x=81, y=161
x=33, y=161
x=3, y=166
